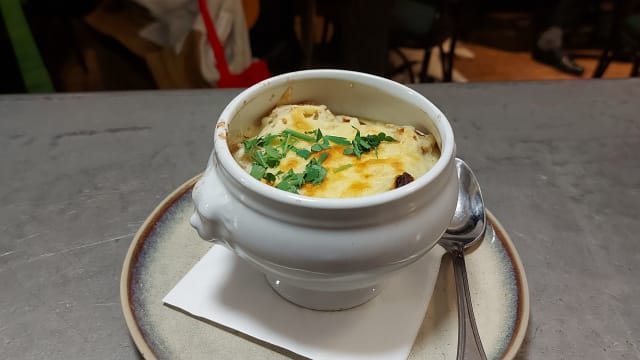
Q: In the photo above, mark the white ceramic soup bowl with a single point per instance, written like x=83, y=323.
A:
x=326, y=254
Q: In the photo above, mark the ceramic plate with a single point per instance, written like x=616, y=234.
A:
x=166, y=247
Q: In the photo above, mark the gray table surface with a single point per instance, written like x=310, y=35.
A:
x=558, y=162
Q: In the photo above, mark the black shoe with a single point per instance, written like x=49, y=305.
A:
x=558, y=59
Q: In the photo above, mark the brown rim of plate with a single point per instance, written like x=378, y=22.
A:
x=132, y=254
x=522, y=318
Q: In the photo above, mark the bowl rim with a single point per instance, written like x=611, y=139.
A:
x=224, y=157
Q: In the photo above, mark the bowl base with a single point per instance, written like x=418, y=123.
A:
x=322, y=300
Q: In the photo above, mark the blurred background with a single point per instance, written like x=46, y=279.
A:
x=107, y=45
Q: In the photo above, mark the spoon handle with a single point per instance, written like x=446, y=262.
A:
x=468, y=347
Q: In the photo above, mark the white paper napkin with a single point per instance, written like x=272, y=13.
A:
x=224, y=289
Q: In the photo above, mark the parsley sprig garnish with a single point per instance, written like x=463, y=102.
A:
x=313, y=173
x=267, y=151
x=364, y=144
x=265, y=155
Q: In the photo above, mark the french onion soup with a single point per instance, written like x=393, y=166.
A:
x=306, y=149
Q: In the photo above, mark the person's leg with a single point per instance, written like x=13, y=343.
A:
x=549, y=46
x=551, y=38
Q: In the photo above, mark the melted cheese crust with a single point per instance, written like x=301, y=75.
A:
x=414, y=152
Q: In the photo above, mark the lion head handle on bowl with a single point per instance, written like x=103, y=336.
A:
x=209, y=216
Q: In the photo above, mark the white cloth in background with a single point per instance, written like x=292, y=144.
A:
x=175, y=19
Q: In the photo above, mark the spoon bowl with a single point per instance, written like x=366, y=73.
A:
x=469, y=220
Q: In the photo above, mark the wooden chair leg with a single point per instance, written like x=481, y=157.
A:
x=424, y=68
x=613, y=42
x=443, y=61
x=603, y=63
x=635, y=69
x=448, y=76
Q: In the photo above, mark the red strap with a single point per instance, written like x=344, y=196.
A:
x=214, y=42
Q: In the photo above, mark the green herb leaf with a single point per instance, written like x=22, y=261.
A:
x=317, y=134
x=269, y=177
x=258, y=158
x=299, y=135
x=268, y=139
x=257, y=171
x=363, y=143
x=272, y=152
x=286, y=186
x=304, y=153
x=316, y=147
x=291, y=182
x=285, y=145
x=322, y=158
x=273, y=162
x=314, y=172
x=342, y=167
x=338, y=140
x=251, y=143
x=357, y=149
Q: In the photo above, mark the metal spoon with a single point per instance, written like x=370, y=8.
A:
x=467, y=227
